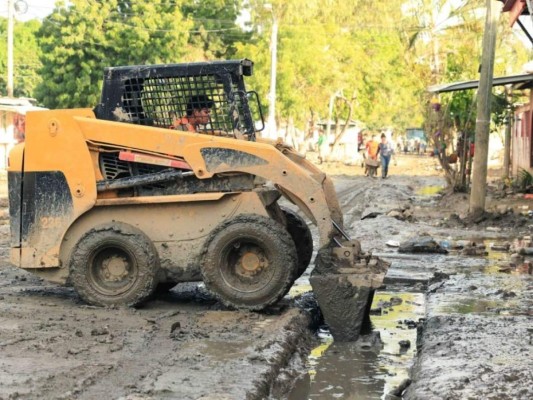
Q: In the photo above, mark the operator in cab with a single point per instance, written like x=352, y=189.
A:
x=198, y=113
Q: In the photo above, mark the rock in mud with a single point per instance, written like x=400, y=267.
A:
x=421, y=244
x=474, y=249
x=501, y=247
x=100, y=331
x=526, y=251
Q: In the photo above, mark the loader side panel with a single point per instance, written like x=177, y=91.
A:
x=46, y=204
x=14, y=182
x=58, y=184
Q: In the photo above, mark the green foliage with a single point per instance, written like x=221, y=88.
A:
x=382, y=54
x=214, y=33
x=456, y=36
x=80, y=39
x=524, y=179
x=26, y=61
x=337, y=47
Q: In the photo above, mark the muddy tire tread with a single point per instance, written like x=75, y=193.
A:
x=286, y=259
x=302, y=238
x=141, y=247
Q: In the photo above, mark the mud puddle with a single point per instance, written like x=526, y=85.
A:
x=500, y=277
x=374, y=365
x=431, y=190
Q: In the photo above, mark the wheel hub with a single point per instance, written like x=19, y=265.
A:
x=251, y=262
x=115, y=268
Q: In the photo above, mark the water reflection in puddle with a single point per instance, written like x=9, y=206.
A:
x=369, y=368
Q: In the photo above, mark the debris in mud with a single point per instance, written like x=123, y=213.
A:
x=100, y=331
x=526, y=251
x=392, y=243
x=474, y=249
x=372, y=214
x=491, y=221
x=396, y=301
x=370, y=341
x=404, y=344
x=500, y=247
x=516, y=260
x=397, y=392
x=409, y=323
x=422, y=244
x=402, y=214
x=174, y=326
x=439, y=277
x=75, y=351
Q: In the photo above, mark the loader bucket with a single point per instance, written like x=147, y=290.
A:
x=344, y=281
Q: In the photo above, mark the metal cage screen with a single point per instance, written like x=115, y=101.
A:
x=158, y=101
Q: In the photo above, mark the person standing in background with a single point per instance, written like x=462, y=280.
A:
x=371, y=151
x=385, y=150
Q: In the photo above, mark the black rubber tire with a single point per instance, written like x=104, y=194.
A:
x=372, y=171
x=302, y=238
x=164, y=287
x=121, y=251
x=249, y=241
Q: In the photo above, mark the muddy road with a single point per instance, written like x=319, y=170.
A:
x=467, y=318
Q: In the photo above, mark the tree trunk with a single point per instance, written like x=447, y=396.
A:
x=339, y=134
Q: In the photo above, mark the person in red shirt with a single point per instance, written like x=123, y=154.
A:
x=371, y=151
x=198, y=113
x=372, y=148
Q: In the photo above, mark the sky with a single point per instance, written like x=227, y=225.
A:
x=36, y=9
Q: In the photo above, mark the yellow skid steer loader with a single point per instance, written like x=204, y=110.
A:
x=119, y=199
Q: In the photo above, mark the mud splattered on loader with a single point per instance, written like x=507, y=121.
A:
x=121, y=204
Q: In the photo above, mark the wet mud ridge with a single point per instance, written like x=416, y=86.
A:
x=53, y=346
x=477, y=339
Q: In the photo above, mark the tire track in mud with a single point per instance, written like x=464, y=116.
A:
x=352, y=198
x=53, y=346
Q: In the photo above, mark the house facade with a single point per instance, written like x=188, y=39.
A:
x=12, y=124
x=521, y=143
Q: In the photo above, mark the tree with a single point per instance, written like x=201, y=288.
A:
x=215, y=32
x=79, y=39
x=325, y=48
x=26, y=58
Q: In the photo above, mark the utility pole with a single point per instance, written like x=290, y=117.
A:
x=10, y=24
x=507, y=145
x=507, y=141
x=271, y=122
x=479, y=176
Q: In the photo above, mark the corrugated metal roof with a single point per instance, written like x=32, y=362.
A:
x=18, y=105
x=523, y=81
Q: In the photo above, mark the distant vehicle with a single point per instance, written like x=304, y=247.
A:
x=416, y=133
x=415, y=140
